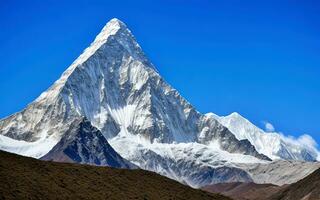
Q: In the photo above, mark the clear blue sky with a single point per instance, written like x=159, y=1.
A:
x=259, y=58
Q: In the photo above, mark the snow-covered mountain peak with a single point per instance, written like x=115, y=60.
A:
x=236, y=115
x=116, y=22
x=114, y=28
x=236, y=123
x=115, y=39
x=111, y=28
x=232, y=116
x=241, y=123
x=210, y=114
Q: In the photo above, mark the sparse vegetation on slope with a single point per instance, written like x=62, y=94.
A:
x=28, y=178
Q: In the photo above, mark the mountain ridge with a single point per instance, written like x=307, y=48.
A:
x=272, y=144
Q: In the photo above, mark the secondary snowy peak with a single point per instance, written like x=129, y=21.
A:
x=272, y=144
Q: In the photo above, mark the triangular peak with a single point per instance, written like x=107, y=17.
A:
x=111, y=28
x=120, y=32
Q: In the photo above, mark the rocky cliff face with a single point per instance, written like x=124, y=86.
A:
x=85, y=144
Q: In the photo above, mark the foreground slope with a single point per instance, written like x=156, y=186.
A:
x=28, y=178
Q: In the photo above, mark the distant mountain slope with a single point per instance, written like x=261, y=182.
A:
x=305, y=189
x=280, y=172
x=28, y=178
x=85, y=144
x=243, y=191
x=272, y=144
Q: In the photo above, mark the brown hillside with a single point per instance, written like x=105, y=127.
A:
x=243, y=191
x=28, y=178
x=305, y=189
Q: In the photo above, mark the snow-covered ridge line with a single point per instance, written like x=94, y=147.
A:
x=31, y=149
x=111, y=28
x=274, y=145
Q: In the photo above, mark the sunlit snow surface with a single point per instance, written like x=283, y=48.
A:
x=272, y=144
x=164, y=158
x=35, y=149
x=205, y=154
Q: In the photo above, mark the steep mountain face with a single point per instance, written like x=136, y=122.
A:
x=117, y=89
x=85, y=144
x=271, y=144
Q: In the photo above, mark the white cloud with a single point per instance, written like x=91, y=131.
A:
x=304, y=140
x=268, y=126
x=307, y=140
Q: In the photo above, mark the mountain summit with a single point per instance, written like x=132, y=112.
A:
x=117, y=89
